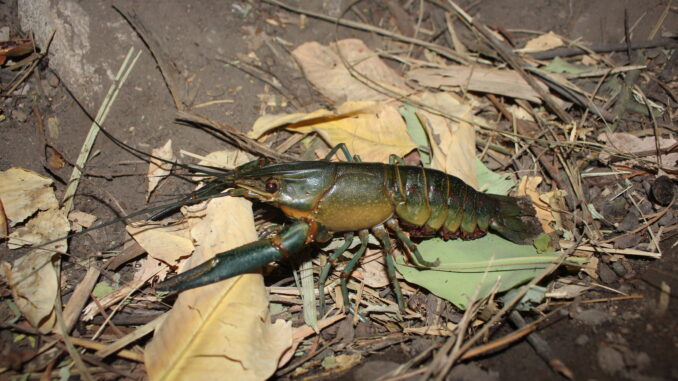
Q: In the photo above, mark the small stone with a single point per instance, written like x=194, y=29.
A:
x=662, y=190
x=581, y=340
x=627, y=241
x=606, y=274
x=472, y=372
x=642, y=360
x=4, y=33
x=19, y=116
x=630, y=221
x=668, y=219
x=52, y=79
x=610, y=360
x=618, y=268
x=592, y=317
x=372, y=370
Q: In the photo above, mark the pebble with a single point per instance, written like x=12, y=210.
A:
x=19, y=116
x=610, y=360
x=606, y=274
x=667, y=219
x=582, y=340
x=627, y=241
x=618, y=268
x=629, y=222
x=663, y=190
x=592, y=317
x=372, y=370
x=472, y=372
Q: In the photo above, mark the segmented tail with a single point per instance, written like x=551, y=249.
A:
x=515, y=219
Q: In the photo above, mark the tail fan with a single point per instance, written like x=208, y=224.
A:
x=515, y=219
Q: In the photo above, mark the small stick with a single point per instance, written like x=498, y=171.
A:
x=131, y=337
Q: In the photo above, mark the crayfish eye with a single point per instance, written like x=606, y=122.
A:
x=272, y=186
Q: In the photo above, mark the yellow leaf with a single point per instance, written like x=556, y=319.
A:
x=168, y=244
x=373, y=130
x=528, y=187
x=33, y=281
x=542, y=43
x=325, y=69
x=222, y=330
x=453, y=141
x=44, y=227
x=23, y=192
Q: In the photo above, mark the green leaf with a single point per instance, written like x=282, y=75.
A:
x=417, y=133
x=559, y=65
x=532, y=298
x=479, y=264
x=542, y=243
x=102, y=289
x=490, y=182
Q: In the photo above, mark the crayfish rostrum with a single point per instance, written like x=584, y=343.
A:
x=324, y=198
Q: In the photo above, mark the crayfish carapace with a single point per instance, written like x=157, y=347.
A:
x=324, y=198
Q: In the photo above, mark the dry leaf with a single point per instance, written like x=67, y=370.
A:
x=46, y=226
x=223, y=328
x=528, y=187
x=542, y=43
x=373, y=130
x=484, y=80
x=373, y=269
x=81, y=219
x=326, y=71
x=169, y=244
x=33, y=282
x=453, y=142
x=23, y=192
x=625, y=143
x=158, y=169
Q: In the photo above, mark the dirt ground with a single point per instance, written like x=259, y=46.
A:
x=626, y=339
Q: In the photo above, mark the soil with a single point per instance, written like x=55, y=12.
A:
x=627, y=339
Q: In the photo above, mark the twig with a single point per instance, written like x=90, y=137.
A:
x=604, y=48
x=370, y=28
x=79, y=297
x=113, y=91
x=513, y=60
x=232, y=135
x=131, y=337
x=542, y=347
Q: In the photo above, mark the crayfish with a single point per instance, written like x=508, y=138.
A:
x=324, y=197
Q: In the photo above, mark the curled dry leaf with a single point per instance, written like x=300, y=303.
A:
x=325, y=69
x=158, y=169
x=453, y=142
x=223, y=328
x=373, y=269
x=23, y=192
x=485, y=80
x=528, y=187
x=542, y=43
x=169, y=244
x=33, y=281
x=628, y=144
x=373, y=130
x=46, y=226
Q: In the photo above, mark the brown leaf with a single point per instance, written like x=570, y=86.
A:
x=325, y=69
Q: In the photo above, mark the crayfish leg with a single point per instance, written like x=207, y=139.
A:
x=383, y=237
x=346, y=272
x=420, y=261
x=325, y=272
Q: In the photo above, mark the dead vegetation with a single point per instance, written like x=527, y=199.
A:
x=586, y=132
